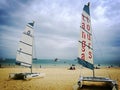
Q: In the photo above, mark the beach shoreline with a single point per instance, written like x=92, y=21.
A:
x=55, y=78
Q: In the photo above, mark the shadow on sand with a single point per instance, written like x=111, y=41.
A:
x=92, y=87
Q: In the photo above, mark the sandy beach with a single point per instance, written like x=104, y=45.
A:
x=55, y=78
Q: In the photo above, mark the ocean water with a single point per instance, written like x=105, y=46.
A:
x=49, y=63
x=42, y=63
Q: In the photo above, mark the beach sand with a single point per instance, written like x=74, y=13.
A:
x=55, y=78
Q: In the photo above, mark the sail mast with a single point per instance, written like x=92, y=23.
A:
x=92, y=46
x=32, y=46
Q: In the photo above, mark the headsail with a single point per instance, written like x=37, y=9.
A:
x=25, y=49
x=85, y=43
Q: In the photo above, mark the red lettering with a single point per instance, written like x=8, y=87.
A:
x=83, y=35
x=83, y=43
x=84, y=18
x=90, y=54
x=87, y=19
x=88, y=37
x=83, y=49
x=88, y=27
x=83, y=25
x=83, y=56
x=89, y=44
x=83, y=46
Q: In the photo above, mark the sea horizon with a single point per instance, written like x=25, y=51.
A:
x=39, y=63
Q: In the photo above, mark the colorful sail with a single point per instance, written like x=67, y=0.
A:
x=25, y=49
x=85, y=43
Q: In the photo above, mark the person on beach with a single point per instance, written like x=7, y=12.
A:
x=72, y=67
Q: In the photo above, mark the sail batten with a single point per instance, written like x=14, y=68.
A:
x=23, y=64
x=26, y=43
x=86, y=45
x=86, y=31
x=24, y=53
x=25, y=49
x=85, y=57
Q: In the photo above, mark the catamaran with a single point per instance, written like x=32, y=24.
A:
x=24, y=55
x=85, y=57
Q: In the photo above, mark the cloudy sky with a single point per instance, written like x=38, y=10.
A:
x=57, y=27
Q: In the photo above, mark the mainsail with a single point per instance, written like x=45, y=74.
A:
x=25, y=49
x=85, y=43
x=85, y=57
x=25, y=54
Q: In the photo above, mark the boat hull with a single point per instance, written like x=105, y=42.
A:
x=111, y=83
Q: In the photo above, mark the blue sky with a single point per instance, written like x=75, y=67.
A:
x=57, y=28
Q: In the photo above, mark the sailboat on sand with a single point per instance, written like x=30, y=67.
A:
x=86, y=51
x=24, y=55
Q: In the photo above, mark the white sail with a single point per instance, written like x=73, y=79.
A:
x=85, y=57
x=85, y=43
x=25, y=49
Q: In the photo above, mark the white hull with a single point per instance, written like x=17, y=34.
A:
x=25, y=76
x=110, y=82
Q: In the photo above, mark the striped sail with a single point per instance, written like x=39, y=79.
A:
x=25, y=49
x=85, y=43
